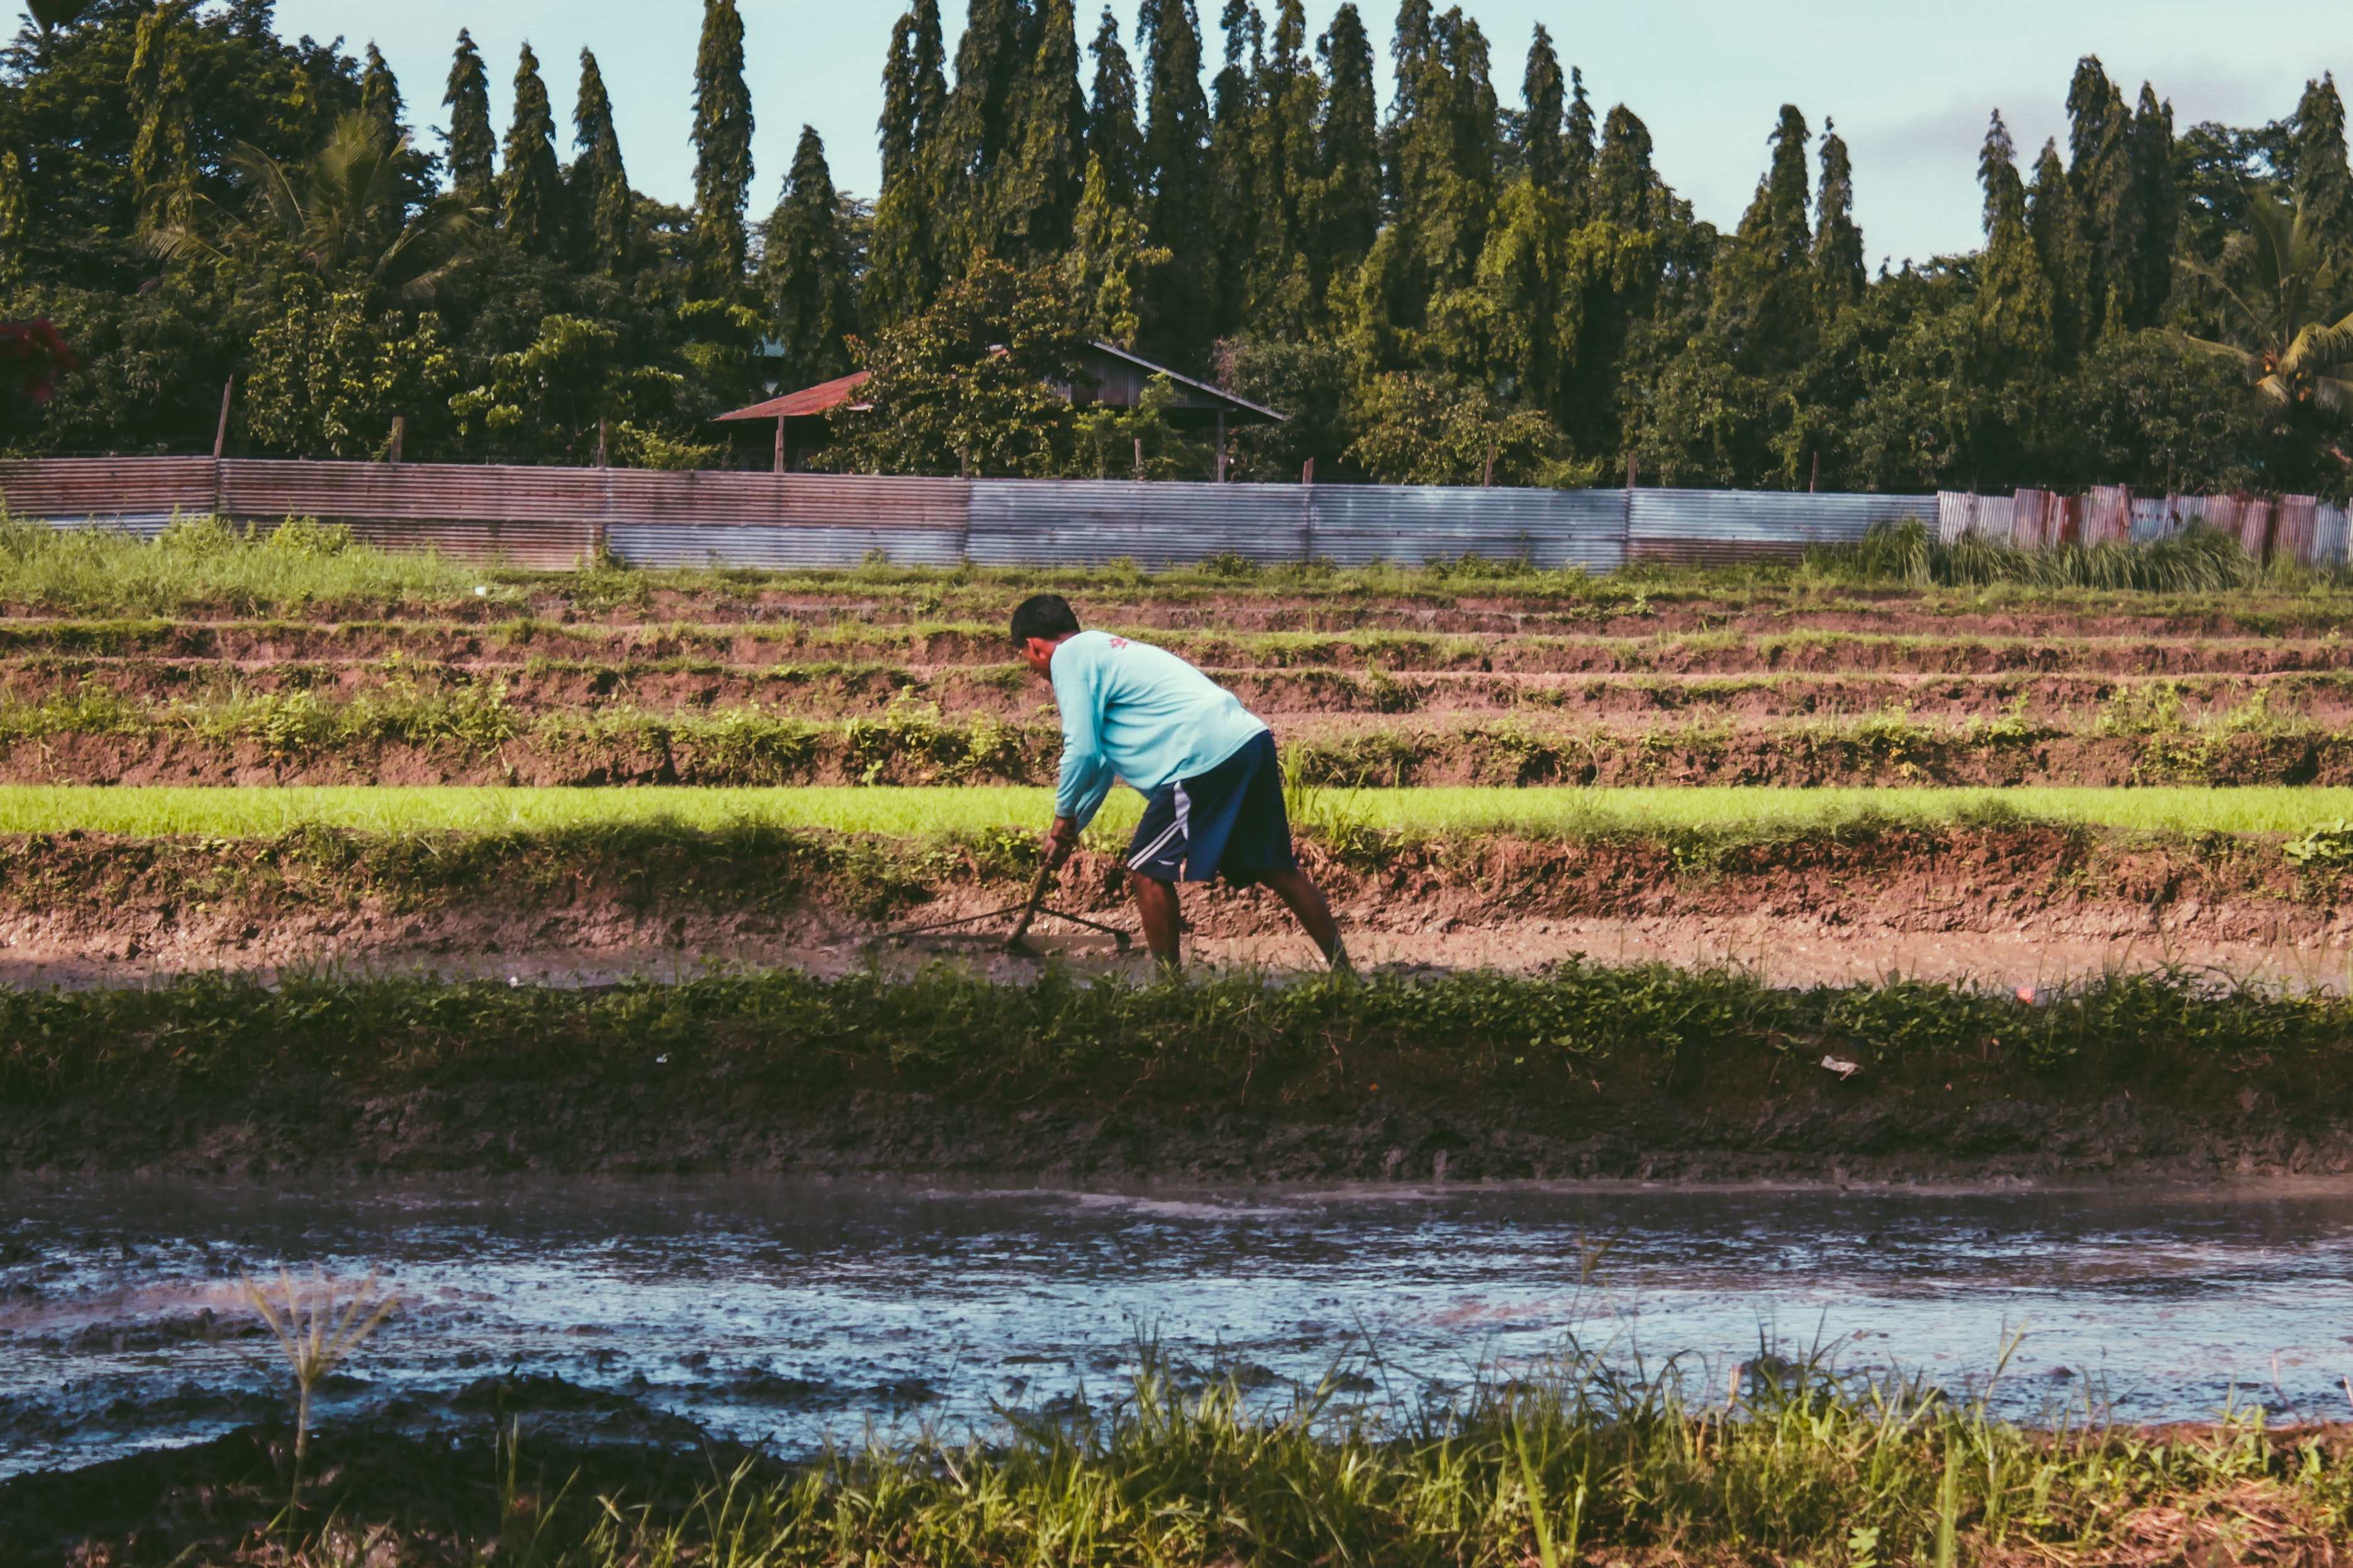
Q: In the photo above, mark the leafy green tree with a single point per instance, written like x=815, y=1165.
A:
x=1039, y=195
x=1177, y=208
x=1417, y=428
x=1840, y=278
x=549, y=398
x=473, y=147
x=967, y=385
x=908, y=263
x=339, y=215
x=2324, y=184
x=722, y=153
x=1350, y=197
x=2156, y=206
x=1110, y=267
x=1112, y=137
x=805, y=270
x=600, y=194
x=327, y=375
x=533, y=202
x=2280, y=322
x=1532, y=301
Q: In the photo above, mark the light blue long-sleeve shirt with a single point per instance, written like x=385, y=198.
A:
x=1137, y=712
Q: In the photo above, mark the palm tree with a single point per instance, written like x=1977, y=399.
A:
x=341, y=213
x=2277, y=286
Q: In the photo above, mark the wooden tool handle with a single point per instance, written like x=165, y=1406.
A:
x=1037, y=900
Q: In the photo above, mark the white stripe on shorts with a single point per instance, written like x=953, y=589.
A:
x=1181, y=826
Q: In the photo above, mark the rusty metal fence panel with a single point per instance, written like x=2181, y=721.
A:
x=138, y=495
x=803, y=547
x=2107, y=515
x=1056, y=522
x=1722, y=527
x=783, y=520
x=1549, y=529
x=533, y=517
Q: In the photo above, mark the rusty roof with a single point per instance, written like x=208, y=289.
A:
x=822, y=398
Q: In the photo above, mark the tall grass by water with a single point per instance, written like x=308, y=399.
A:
x=971, y=809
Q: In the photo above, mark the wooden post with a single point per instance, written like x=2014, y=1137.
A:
x=604, y=442
x=220, y=436
x=1222, y=446
x=1307, y=474
x=1487, y=476
x=1629, y=470
x=1139, y=460
x=780, y=443
x=399, y=436
x=1816, y=482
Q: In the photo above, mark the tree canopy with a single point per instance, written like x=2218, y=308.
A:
x=1484, y=272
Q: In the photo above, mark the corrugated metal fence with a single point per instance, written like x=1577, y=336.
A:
x=556, y=516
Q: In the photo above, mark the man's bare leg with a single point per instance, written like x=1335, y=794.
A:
x=1314, y=911
x=1164, y=922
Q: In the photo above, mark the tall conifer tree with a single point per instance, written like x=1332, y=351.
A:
x=906, y=266
x=1046, y=172
x=1546, y=95
x=1235, y=147
x=2059, y=246
x=1113, y=138
x=1625, y=186
x=600, y=181
x=1839, y=277
x=1578, y=146
x=16, y=219
x=2099, y=176
x=992, y=70
x=722, y=153
x=2148, y=267
x=805, y=270
x=533, y=200
x=473, y=145
x=1351, y=192
x=1176, y=173
x=1287, y=278
x=1764, y=289
x=2324, y=184
x=162, y=164
x=380, y=93
x=2013, y=294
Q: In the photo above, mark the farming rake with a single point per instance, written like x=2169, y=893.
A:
x=1018, y=940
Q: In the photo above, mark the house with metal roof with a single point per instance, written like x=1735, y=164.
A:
x=1107, y=376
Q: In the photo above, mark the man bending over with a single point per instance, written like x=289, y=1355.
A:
x=1212, y=788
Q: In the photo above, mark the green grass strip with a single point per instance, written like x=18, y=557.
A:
x=920, y=812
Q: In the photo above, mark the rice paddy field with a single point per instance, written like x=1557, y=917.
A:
x=282, y=748
x=1898, y=868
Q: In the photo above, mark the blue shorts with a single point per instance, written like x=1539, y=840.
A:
x=1228, y=821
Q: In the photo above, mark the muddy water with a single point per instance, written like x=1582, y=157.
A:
x=658, y=1310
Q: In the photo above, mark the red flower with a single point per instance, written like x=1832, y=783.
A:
x=34, y=355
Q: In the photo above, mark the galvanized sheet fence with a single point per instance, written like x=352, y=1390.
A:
x=557, y=517
x=2301, y=529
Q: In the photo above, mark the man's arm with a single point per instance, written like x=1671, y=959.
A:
x=1086, y=774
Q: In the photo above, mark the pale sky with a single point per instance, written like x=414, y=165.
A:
x=1909, y=84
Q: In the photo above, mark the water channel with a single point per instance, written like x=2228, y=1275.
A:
x=796, y=1312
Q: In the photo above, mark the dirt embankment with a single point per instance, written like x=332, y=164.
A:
x=751, y=750
x=537, y=688
x=2015, y=905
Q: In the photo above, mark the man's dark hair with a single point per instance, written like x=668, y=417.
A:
x=1047, y=617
